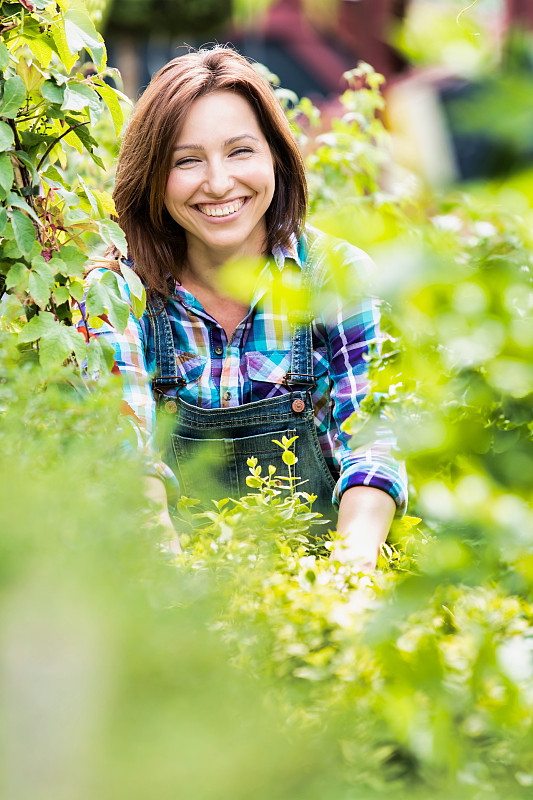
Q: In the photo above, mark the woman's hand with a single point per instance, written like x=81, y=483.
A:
x=365, y=517
x=154, y=489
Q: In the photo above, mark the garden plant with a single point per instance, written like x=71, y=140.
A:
x=257, y=663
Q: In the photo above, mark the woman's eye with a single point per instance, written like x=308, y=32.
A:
x=186, y=162
x=241, y=151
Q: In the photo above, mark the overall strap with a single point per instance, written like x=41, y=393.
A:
x=301, y=372
x=165, y=355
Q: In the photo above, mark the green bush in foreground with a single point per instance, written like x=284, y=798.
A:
x=254, y=664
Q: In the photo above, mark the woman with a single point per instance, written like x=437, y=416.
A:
x=208, y=175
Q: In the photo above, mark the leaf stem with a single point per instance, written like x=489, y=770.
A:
x=463, y=11
x=53, y=144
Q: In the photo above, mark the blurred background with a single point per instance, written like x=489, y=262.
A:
x=457, y=73
x=117, y=669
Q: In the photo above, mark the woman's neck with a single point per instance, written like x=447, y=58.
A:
x=204, y=264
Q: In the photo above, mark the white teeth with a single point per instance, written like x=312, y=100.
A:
x=209, y=211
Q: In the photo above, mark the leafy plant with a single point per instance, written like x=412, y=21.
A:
x=288, y=672
x=50, y=98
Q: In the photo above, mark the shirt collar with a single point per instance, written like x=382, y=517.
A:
x=281, y=254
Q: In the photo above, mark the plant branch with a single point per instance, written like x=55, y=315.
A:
x=84, y=318
x=53, y=144
x=9, y=26
x=22, y=176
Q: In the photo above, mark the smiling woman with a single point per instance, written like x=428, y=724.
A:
x=209, y=174
x=222, y=182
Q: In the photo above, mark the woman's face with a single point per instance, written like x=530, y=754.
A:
x=221, y=182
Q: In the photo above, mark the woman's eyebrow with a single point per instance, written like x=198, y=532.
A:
x=225, y=144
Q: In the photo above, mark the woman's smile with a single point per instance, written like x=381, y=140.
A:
x=218, y=210
x=222, y=180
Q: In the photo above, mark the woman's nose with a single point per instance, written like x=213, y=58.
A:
x=219, y=180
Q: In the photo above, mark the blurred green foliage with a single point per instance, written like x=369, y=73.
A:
x=254, y=665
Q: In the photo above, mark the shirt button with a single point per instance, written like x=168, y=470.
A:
x=219, y=350
x=227, y=395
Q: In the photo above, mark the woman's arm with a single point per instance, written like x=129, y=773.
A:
x=154, y=490
x=365, y=517
x=372, y=486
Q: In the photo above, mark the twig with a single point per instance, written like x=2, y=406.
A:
x=464, y=10
x=84, y=321
x=51, y=146
x=22, y=177
x=8, y=26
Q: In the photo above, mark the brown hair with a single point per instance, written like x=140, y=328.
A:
x=156, y=242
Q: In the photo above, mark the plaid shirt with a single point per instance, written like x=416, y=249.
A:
x=252, y=364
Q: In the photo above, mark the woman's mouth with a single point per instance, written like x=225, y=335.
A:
x=221, y=209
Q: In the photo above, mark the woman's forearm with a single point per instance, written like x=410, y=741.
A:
x=154, y=490
x=365, y=517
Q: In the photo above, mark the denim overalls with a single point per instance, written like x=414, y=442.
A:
x=209, y=448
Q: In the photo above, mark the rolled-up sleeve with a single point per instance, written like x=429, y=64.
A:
x=138, y=413
x=352, y=326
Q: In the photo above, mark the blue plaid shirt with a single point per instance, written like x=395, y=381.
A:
x=252, y=364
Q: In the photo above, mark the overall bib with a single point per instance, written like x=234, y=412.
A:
x=209, y=447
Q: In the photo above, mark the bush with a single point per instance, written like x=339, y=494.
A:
x=255, y=664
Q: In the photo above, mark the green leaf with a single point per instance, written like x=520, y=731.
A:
x=24, y=231
x=98, y=211
x=86, y=140
x=104, y=297
x=13, y=97
x=35, y=328
x=72, y=261
x=53, y=175
x=3, y=220
x=15, y=200
x=28, y=163
x=112, y=234
x=137, y=290
x=77, y=290
x=60, y=41
x=10, y=248
x=42, y=48
x=101, y=355
x=80, y=33
x=38, y=289
x=52, y=92
x=289, y=458
x=110, y=98
x=78, y=96
x=44, y=269
x=18, y=276
x=6, y=173
x=6, y=136
x=57, y=341
x=4, y=56
x=61, y=294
